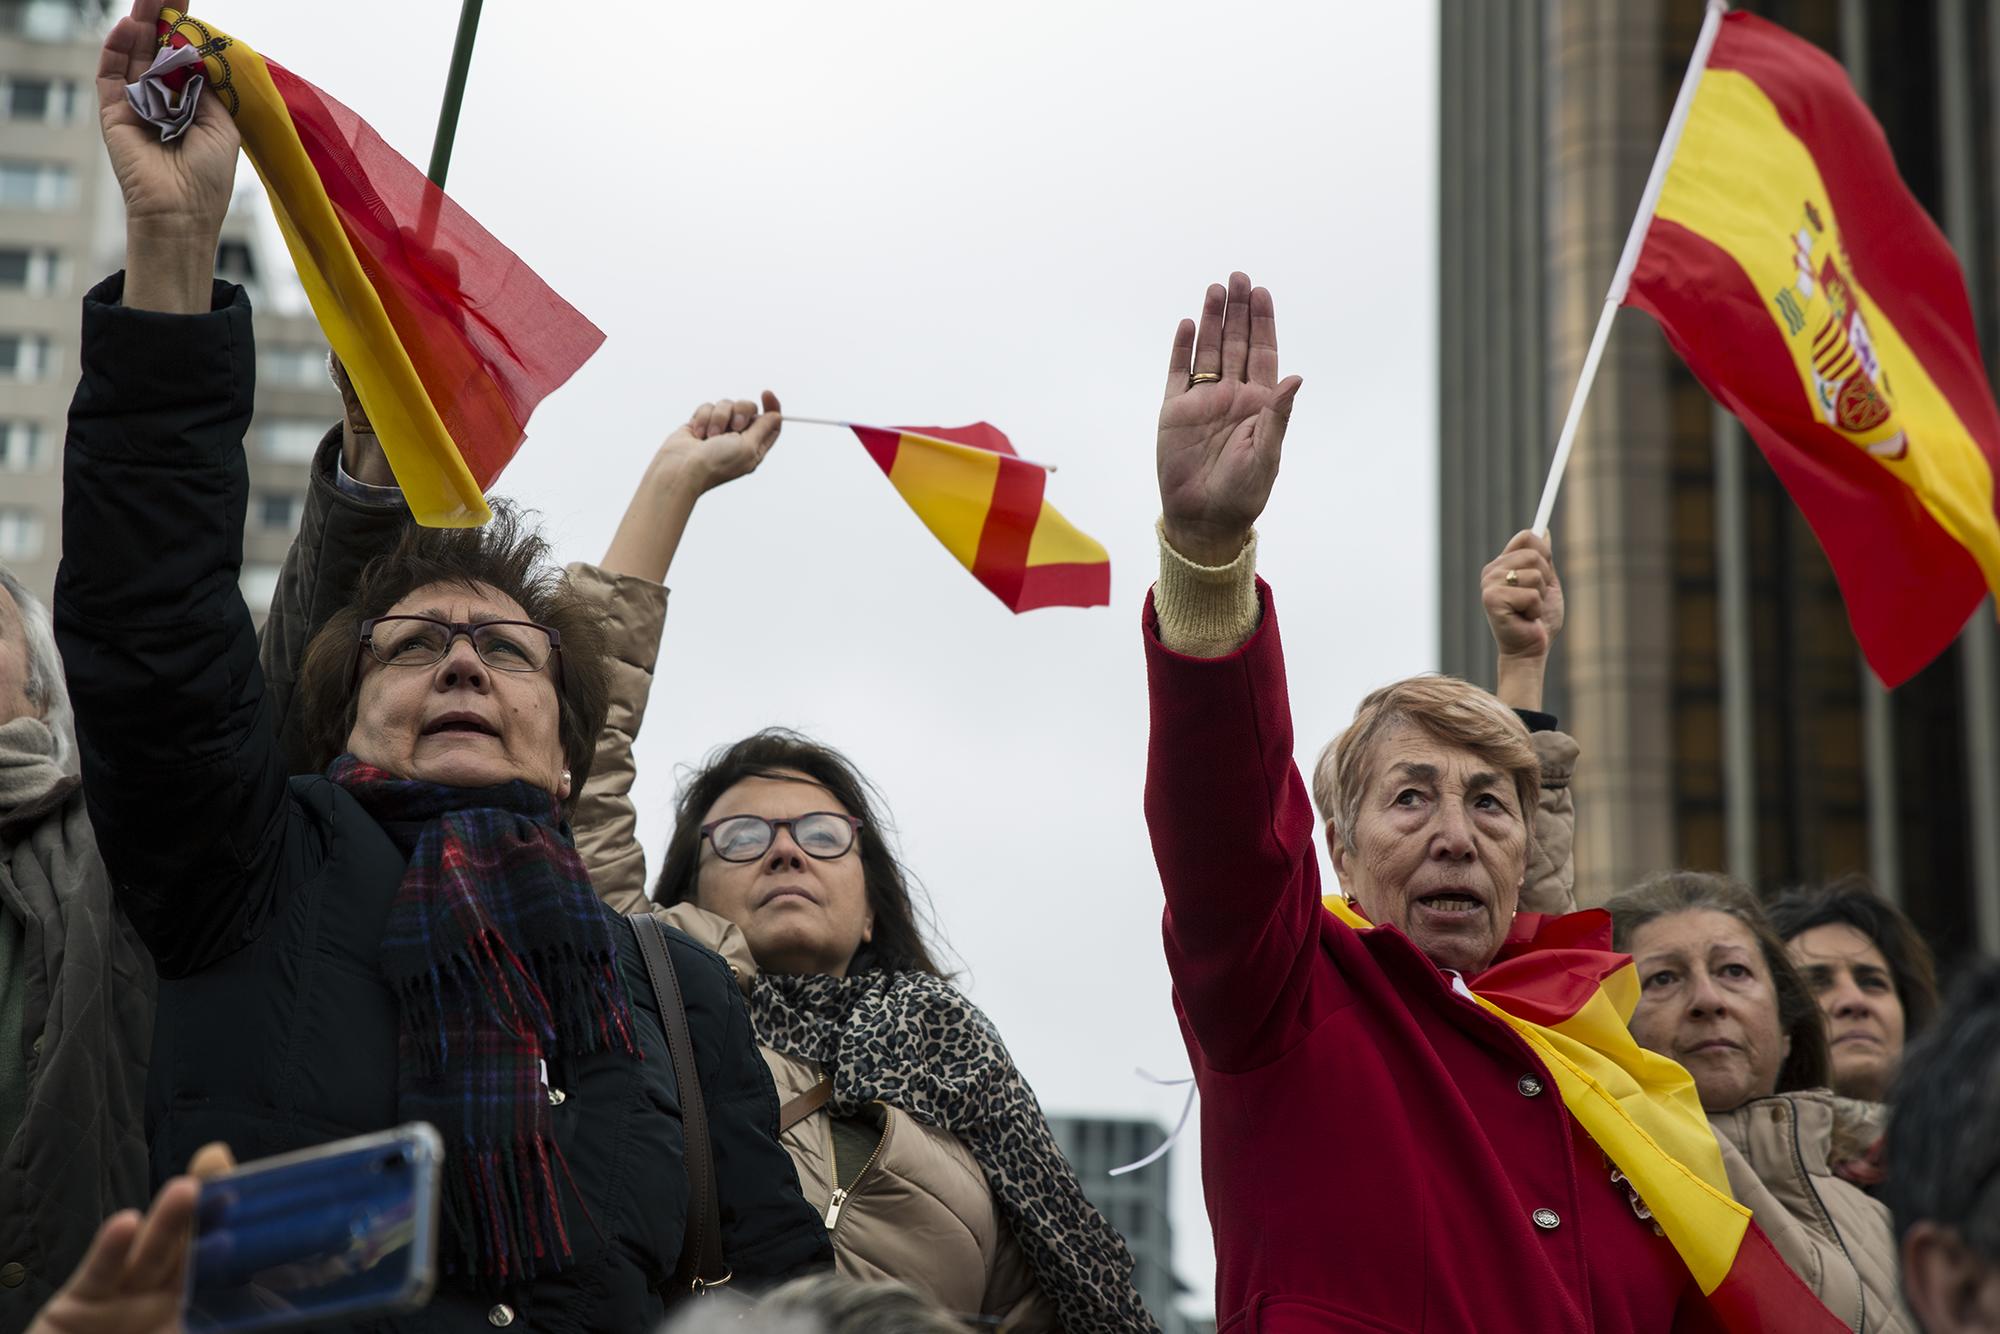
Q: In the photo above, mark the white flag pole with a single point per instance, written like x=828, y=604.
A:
x=1635, y=240
x=914, y=435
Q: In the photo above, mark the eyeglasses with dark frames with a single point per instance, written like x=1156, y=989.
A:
x=423, y=641
x=821, y=835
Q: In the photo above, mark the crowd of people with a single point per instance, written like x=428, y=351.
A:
x=379, y=864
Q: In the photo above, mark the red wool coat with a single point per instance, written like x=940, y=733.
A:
x=1377, y=1152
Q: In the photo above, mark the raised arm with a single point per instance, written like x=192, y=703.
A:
x=719, y=442
x=354, y=512
x=181, y=774
x=1230, y=821
x=1523, y=601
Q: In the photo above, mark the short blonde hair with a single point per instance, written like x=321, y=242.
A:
x=1447, y=709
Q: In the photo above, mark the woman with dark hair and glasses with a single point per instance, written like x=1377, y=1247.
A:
x=1870, y=971
x=911, y=1130
x=405, y=932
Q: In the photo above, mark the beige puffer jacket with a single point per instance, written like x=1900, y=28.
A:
x=1778, y=1152
x=921, y=1211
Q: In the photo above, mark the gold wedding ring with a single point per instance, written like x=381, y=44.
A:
x=1203, y=377
x=1513, y=578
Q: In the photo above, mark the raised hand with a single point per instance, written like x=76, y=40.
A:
x=1523, y=601
x=723, y=440
x=176, y=194
x=1222, y=426
x=720, y=442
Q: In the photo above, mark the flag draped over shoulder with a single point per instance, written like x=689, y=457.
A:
x=1807, y=289
x=1559, y=986
x=986, y=506
x=449, y=339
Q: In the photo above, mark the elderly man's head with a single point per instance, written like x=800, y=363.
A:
x=1943, y=1187
x=31, y=678
x=1428, y=799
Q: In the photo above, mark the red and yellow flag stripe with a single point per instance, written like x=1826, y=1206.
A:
x=449, y=339
x=986, y=506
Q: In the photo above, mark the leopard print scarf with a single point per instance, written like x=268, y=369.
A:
x=915, y=1042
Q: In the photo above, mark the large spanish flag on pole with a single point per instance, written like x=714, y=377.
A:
x=450, y=340
x=1810, y=293
x=1557, y=983
x=985, y=504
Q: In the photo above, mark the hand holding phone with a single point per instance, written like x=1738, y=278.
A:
x=345, y=1229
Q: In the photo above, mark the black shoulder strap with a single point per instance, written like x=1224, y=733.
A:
x=700, y=1264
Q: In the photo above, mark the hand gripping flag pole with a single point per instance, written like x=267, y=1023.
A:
x=1711, y=24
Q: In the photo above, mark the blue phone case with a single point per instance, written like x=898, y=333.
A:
x=344, y=1229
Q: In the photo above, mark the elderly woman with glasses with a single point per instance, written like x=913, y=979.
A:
x=909, y=1126
x=406, y=933
x=1420, y=1106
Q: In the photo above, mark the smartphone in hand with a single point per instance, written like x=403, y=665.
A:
x=345, y=1229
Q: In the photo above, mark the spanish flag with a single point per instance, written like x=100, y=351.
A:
x=450, y=340
x=985, y=504
x=1807, y=289
x=1560, y=987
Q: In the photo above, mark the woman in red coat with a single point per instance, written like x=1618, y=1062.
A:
x=1379, y=1151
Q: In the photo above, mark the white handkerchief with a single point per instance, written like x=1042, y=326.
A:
x=160, y=105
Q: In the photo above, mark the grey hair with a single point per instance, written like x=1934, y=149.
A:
x=1943, y=1146
x=46, y=687
x=821, y=1304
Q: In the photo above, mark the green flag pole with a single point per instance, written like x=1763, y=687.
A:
x=454, y=91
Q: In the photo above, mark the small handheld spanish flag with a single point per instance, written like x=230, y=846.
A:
x=985, y=504
x=449, y=339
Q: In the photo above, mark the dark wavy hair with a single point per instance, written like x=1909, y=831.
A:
x=1807, y=1066
x=506, y=555
x=1851, y=900
x=902, y=920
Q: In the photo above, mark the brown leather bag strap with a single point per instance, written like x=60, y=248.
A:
x=805, y=1104
x=700, y=1264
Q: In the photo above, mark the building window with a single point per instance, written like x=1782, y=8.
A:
x=36, y=270
x=23, y=446
x=20, y=533
x=279, y=511
x=292, y=441
x=26, y=357
x=39, y=185
x=233, y=263
x=30, y=98
x=294, y=367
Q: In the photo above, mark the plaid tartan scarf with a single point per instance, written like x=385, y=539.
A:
x=501, y=958
x=916, y=1042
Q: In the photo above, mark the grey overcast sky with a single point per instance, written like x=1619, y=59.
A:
x=902, y=212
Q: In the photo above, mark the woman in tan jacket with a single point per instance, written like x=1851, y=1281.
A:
x=912, y=1132
x=1718, y=994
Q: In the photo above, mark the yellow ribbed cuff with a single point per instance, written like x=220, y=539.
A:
x=1206, y=611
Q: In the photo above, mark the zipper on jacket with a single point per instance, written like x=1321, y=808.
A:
x=838, y=1200
x=1799, y=1158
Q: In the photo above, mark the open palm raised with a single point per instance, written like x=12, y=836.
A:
x=1222, y=425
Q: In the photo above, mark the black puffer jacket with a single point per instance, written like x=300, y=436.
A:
x=262, y=899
